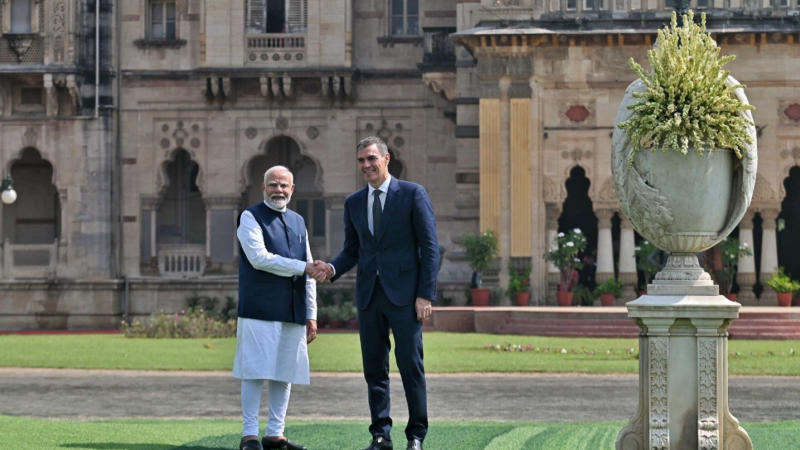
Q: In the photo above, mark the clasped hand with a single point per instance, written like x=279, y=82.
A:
x=319, y=270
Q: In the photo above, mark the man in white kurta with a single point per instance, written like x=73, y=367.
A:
x=272, y=350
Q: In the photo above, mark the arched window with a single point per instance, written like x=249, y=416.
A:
x=182, y=212
x=34, y=218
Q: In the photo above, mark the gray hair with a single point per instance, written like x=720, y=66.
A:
x=373, y=140
x=275, y=169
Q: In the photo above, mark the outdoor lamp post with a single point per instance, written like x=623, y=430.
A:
x=9, y=195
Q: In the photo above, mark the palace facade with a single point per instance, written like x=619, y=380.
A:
x=136, y=132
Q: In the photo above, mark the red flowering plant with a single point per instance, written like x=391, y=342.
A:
x=564, y=255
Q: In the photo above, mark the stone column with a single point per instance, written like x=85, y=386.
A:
x=769, y=255
x=221, y=245
x=504, y=236
x=605, y=250
x=148, y=245
x=683, y=364
x=553, y=275
x=627, y=260
x=746, y=271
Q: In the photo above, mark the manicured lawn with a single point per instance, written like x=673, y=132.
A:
x=444, y=353
x=36, y=434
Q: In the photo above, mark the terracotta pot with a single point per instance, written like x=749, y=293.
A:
x=523, y=298
x=480, y=297
x=731, y=296
x=607, y=299
x=784, y=298
x=564, y=298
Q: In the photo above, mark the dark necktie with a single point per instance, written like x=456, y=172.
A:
x=377, y=212
x=285, y=230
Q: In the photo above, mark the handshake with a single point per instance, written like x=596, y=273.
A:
x=319, y=270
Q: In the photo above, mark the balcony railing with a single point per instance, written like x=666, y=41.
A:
x=181, y=260
x=275, y=48
x=30, y=260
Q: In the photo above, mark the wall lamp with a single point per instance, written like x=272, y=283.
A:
x=9, y=195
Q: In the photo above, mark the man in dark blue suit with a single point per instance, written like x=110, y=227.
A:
x=390, y=232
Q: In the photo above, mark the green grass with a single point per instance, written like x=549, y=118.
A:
x=339, y=352
x=38, y=434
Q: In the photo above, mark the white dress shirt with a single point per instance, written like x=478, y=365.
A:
x=384, y=188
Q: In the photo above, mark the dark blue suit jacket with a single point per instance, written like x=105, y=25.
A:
x=405, y=251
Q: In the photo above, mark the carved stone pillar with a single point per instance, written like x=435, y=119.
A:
x=627, y=260
x=605, y=250
x=769, y=255
x=683, y=364
x=746, y=271
x=552, y=212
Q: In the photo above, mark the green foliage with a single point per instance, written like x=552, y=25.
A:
x=687, y=102
x=193, y=323
x=610, y=286
x=209, y=305
x=582, y=296
x=645, y=253
x=731, y=250
x=518, y=280
x=782, y=282
x=481, y=249
x=564, y=255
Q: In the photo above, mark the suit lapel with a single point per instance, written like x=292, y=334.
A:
x=360, y=212
x=389, y=206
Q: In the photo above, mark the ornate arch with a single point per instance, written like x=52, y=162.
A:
x=162, y=178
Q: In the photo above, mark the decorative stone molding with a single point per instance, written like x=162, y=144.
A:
x=707, y=413
x=553, y=192
x=604, y=216
x=763, y=191
x=442, y=83
x=606, y=191
x=658, y=355
x=768, y=216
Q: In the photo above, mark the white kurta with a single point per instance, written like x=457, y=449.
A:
x=266, y=349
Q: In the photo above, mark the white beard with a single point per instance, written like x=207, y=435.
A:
x=278, y=203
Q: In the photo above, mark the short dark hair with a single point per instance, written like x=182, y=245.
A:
x=373, y=140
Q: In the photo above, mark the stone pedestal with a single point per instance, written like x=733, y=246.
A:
x=683, y=364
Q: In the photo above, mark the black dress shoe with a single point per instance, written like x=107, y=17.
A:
x=250, y=444
x=379, y=443
x=414, y=444
x=283, y=444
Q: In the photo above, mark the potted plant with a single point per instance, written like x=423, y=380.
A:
x=784, y=285
x=684, y=143
x=481, y=250
x=564, y=255
x=608, y=290
x=732, y=250
x=518, y=284
x=647, y=262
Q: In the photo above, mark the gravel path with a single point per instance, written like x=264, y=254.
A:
x=91, y=394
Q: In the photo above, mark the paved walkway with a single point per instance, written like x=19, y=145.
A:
x=89, y=394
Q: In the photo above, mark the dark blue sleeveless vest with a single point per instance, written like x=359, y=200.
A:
x=266, y=296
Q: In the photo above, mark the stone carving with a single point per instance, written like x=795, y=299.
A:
x=552, y=191
x=659, y=402
x=707, y=422
x=683, y=267
x=652, y=193
x=606, y=192
x=30, y=137
x=762, y=190
x=58, y=11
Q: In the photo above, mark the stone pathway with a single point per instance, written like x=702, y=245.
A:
x=91, y=394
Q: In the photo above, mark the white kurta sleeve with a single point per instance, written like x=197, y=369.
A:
x=311, y=288
x=250, y=236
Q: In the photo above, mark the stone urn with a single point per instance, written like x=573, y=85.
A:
x=682, y=203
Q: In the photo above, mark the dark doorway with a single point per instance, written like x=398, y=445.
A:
x=578, y=212
x=788, y=229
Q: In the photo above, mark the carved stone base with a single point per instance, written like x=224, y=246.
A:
x=683, y=364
